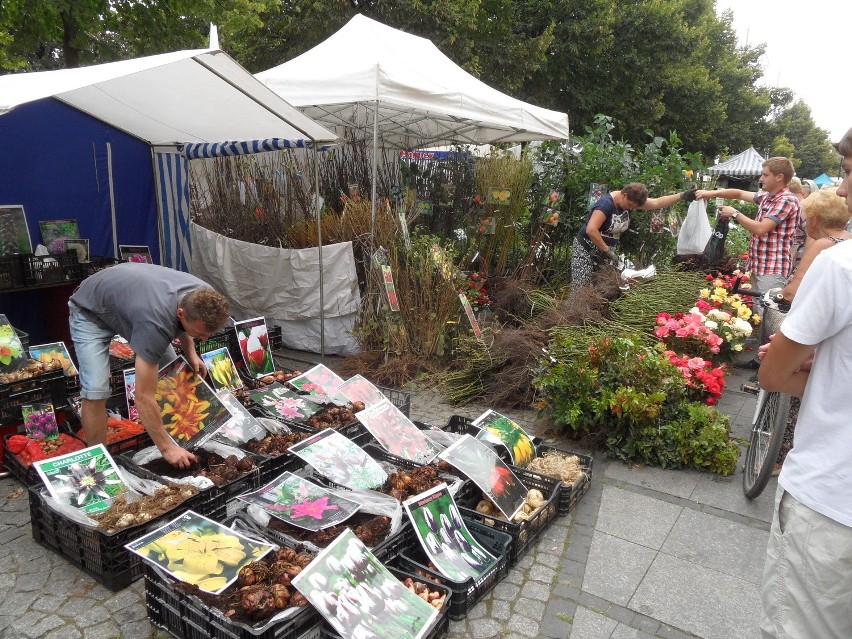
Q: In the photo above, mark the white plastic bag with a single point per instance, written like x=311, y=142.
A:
x=695, y=230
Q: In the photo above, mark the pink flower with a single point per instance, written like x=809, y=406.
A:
x=696, y=363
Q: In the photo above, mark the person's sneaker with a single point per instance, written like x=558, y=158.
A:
x=749, y=364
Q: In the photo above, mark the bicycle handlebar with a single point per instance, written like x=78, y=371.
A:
x=783, y=304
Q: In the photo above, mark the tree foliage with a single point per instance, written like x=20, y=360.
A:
x=664, y=65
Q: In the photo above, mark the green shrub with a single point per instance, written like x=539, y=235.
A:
x=633, y=401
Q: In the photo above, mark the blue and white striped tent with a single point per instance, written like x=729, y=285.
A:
x=110, y=144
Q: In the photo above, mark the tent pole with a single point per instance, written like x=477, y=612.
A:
x=319, y=252
x=112, y=201
x=375, y=171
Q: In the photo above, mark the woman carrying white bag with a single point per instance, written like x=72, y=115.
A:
x=607, y=220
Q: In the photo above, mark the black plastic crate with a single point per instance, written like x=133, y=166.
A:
x=216, y=502
x=571, y=493
x=441, y=626
x=48, y=387
x=49, y=269
x=194, y=620
x=11, y=271
x=276, y=340
x=465, y=594
x=101, y=555
x=27, y=475
x=399, y=398
x=523, y=533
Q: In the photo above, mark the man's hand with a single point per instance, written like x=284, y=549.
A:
x=196, y=363
x=726, y=211
x=703, y=195
x=178, y=457
x=689, y=195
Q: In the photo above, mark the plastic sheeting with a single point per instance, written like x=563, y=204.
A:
x=282, y=285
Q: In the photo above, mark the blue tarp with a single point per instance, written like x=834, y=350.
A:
x=823, y=179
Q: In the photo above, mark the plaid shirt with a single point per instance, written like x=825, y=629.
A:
x=771, y=253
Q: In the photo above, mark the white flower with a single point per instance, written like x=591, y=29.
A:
x=711, y=325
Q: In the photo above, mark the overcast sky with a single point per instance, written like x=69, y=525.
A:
x=808, y=49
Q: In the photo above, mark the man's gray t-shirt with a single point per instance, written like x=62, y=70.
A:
x=138, y=302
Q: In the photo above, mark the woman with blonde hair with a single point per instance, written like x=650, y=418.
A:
x=826, y=217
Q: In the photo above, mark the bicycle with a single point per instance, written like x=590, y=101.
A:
x=770, y=413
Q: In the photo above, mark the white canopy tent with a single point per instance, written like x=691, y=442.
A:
x=186, y=104
x=369, y=76
x=401, y=91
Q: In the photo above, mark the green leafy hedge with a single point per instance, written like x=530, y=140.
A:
x=630, y=397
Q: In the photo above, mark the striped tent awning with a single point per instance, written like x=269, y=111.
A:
x=193, y=151
x=749, y=163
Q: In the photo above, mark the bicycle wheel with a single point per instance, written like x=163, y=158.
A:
x=767, y=434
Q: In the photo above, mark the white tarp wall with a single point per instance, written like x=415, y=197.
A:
x=283, y=286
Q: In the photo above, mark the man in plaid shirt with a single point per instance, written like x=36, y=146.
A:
x=769, y=257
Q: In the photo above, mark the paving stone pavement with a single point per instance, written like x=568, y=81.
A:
x=646, y=553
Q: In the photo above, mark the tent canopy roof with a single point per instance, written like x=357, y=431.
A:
x=823, y=179
x=424, y=98
x=192, y=96
x=749, y=163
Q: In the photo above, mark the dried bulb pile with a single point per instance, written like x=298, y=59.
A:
x=534, y=500
x=31, y=369
x=278, y=376
x=219, y=470
x=370, y=529
x=275, y=444
x=434, y=597
x=331, y=417
x=568, y=468
x=123, y=513
x=406, y=483
x=263, y=588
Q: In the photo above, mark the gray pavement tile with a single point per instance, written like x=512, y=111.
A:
x=542, y=573
x=636, y=518
x=679, y=483
x=523, y=625
x=626, y=632
x=589, y=624
x=65, y=632
x=726, y=493
x=486, y=629
x=615, y=568
x=726, y=546
x=530, y=608
x=706, y=602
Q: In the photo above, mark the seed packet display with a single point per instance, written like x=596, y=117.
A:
x=86, y=479
x=223, y=373
x=55, y=232
x=485, y=469
x=190, y=410
x=242, y=426
x=12, y=356
x=130, y=392
x=444, y=537
x=396, y=433
x=199, y=551
x=55, y=352
x=15, y=235
x=40, y=421
x=253, y=339
x=297, y=501
x=360, y=389
x=340, y=459
x=138, y=253
x=499, y=429
x=359, y=596
x=322, y=381
x=282, y=403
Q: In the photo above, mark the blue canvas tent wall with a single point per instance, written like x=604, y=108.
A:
x=161, y=110
x=109, y=144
